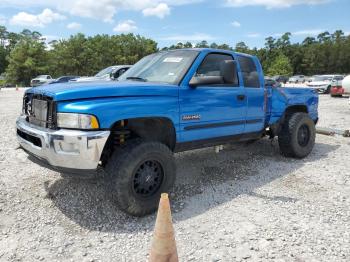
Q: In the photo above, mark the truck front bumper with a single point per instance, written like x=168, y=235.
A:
x=63, y=149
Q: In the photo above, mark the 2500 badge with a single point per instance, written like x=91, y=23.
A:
x=191, y=117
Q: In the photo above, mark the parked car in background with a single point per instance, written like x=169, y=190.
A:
x=40, y=80
x=312, y=78
x=337, y=89
x=323, y=83
x=346, y=85
x=270, y=82
x=63, y=79
x=4, y=82
x=107, y=74
x=281, y=79
x=297, y=79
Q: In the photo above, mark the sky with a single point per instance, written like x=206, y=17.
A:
x=169, y=21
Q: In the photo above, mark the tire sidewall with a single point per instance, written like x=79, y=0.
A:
x=168, y=170
x=298, y=150
x=124, y=163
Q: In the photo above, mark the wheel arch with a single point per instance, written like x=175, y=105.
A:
x=159, y=129
x=276, y=128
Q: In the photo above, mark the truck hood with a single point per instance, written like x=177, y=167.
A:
x=85, y=90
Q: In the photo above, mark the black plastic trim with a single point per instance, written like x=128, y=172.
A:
x=222, y=124
x=185, y=146
x=33, y=139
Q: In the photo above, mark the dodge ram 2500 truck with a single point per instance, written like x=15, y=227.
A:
x=168, y=102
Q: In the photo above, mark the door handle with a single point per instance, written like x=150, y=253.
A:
x=240, y=97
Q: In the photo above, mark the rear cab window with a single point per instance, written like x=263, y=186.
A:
x=249, y=72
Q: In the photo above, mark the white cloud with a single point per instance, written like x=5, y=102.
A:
x=236, y=24
x=2, y=19
x=277, y=34
x=104, y=10
x=194, y=37
x=74, y=26
x=47, y=16
x=253, y=35
x=273, y=3
x=160, y=11
x=125, y=26
x=308, y=32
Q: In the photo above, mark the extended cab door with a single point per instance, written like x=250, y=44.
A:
x=214, y=110
x=253, y=83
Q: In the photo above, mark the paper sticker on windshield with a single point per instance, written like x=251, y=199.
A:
x=172, y=59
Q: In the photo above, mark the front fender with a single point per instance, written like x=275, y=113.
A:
x=110, y=110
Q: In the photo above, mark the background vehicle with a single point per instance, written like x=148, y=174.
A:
x=107, y=74
x=336, y=90
x=170, y=101
x=4, y=82
x=40, y=80
x=297, y=79
x=312, y=78
x=281, y=79
x=346, y=84
x=269, y=82
x=323, y=83
x=63, y=79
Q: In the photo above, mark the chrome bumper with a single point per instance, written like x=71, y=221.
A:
x=67, y=149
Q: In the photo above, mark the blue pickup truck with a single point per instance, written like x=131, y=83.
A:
x=168, y=102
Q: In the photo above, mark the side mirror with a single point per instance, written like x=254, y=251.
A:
x=206, y=80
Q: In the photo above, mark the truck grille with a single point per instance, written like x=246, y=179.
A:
x=40, y=110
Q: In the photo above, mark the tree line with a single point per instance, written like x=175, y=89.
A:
x=25, y=55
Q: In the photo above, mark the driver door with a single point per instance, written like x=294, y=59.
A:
x=212, y=110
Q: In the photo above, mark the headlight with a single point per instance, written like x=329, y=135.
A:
x=78, y=121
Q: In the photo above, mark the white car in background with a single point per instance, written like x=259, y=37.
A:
x=107, y=74
x=40, y=80
x=346, y=84
x=323, y=83
x=297, y=79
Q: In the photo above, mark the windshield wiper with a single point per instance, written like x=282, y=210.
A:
x=136, y=78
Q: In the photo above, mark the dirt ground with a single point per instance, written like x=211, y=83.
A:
x=245, y=203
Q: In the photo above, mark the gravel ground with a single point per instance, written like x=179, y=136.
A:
x=244, y=203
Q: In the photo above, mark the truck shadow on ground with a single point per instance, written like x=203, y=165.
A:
x=217, y=177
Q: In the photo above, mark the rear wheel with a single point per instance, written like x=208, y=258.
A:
x=297, y=136
x=138, y=173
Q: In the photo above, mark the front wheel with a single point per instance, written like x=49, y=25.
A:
x=138, y=173
x=328, y=90
x=297, y=136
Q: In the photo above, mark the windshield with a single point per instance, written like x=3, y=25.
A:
x=163, y=67
x=42, y=76
x=106, y=71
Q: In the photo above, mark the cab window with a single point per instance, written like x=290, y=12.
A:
x=212, y=66
x=249, y=72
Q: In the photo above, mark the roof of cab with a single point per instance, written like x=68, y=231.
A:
x=212, y=50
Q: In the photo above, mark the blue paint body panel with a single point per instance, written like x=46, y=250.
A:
x=197, y=113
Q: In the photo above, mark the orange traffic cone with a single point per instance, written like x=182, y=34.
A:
x=163, y=244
